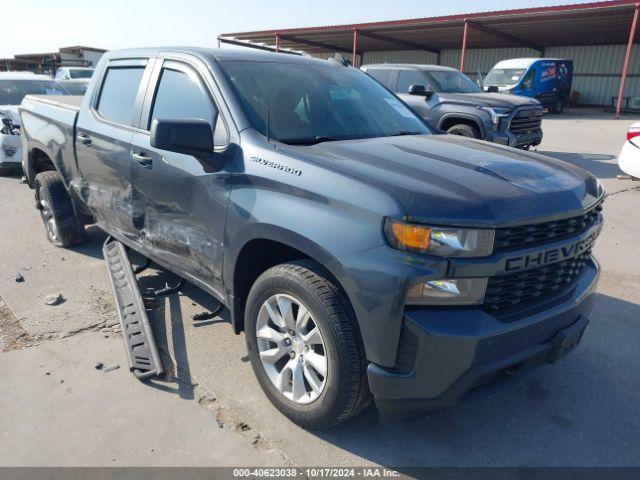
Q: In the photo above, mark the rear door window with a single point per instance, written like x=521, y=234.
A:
x=383, y=75
x=118, y=94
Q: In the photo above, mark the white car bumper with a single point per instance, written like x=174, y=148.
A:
x=629, y=159
x=10, y=151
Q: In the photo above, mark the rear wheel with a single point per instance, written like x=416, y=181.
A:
x=59, y=218
x=305, y=346
x=464, y=130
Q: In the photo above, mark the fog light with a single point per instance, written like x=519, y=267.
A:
x=448, y=291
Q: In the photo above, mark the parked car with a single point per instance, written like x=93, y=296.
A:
x=361, y=253
x=545, y=79
x=13, y=87
x=629, y=158
x=74, y=79
x=448, y=100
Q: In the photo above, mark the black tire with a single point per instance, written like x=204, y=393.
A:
x=54, y=203
x=346, y=391
x=464, y=130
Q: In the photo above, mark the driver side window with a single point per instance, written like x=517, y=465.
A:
x=406, y=78
x=182, y=95
x=527, y=83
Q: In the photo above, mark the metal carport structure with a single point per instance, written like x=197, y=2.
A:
x=536, y=29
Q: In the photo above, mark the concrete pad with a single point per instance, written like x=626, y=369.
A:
x=58, y=410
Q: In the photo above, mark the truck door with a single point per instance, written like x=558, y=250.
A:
x=179, y=201
x=103, y=143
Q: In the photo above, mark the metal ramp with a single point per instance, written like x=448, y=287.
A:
x=142, y=352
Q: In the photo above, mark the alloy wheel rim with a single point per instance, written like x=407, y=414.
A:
x=291, y=348
x=47, y=216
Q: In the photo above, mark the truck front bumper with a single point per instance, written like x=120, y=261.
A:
x=459, y=354
x=510, y=139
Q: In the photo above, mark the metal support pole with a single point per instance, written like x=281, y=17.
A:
x=277, y=43
x=464, y=44
x=625, y=67
x=354, y=60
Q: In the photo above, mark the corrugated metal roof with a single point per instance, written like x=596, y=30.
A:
x=594, y=23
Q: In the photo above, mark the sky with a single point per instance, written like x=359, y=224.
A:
x=44, y=25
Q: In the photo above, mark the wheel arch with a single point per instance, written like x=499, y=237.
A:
x=450, y=119
x=263, y=247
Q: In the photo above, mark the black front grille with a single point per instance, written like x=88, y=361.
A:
x=526, y=121
x=540, y=233
x=517, y=291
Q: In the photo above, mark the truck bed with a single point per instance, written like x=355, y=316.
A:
x=71, y=102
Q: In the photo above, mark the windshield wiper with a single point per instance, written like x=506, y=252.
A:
x=308, y=141
x=403, y=133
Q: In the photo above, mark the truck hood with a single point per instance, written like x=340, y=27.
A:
x=11, y=111
x=453, y=180
x=489, y=99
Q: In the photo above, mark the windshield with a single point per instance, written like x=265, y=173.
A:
x=80, y=73
x=13, y=91
x=308, y=104
x=504, y=76
x=446, y=81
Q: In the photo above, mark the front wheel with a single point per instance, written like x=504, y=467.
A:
x=464, y=130
x=305, y=345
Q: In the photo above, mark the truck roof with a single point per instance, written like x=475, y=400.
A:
x=411, y=66
x=217, y=54
x=522, y=62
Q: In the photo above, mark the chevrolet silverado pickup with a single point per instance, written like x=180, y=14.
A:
x=363, y=255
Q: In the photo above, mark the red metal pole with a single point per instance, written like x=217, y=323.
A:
x=464, y=44
x=354, y=60
x=625, y=67
x=277, y=42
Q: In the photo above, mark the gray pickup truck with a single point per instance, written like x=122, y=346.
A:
x=363, y=255
x=448, y=100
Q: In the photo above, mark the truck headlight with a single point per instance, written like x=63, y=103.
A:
x=496, y=113
x=448, y=291
x=440, y=241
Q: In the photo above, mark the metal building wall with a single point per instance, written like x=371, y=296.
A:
x=596, y=68
x=596, y=71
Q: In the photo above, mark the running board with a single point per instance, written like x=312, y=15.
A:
x=142, y=352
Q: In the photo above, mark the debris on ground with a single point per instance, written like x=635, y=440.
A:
x=208, y=315
x=19, y=278
x=111, y=368
x=98, y=366
x=206, y=399
x=53, y=300
x=243, y=427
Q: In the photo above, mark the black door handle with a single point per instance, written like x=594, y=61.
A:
x=84, y=139
x=142, y=159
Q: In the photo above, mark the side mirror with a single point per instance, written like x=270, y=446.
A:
x=188, y=136
x=420, y=90
x=493, y=89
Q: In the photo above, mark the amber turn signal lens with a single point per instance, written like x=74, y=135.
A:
x=411, y=237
